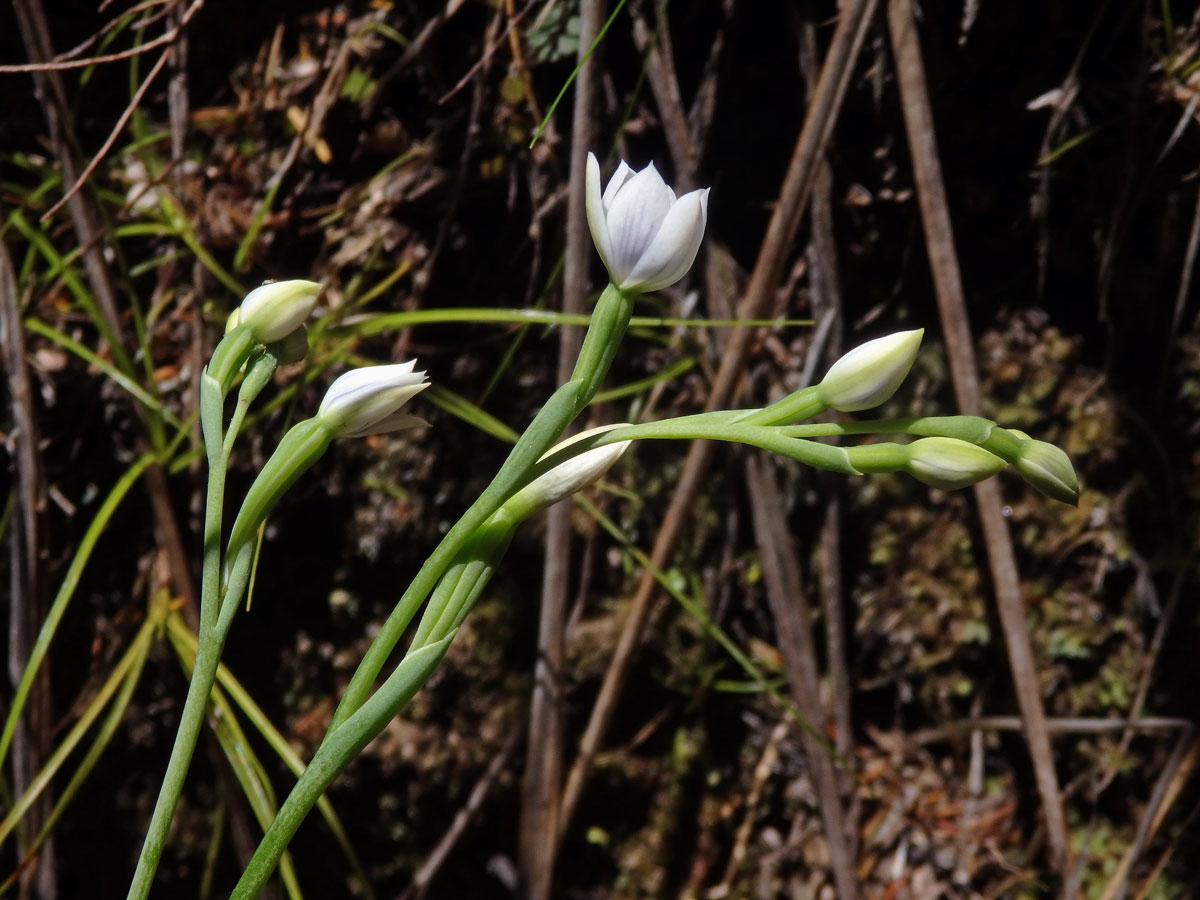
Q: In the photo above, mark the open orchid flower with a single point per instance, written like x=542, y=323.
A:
x=368, y=400
x=646, y=236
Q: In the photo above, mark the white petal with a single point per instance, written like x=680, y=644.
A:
x=674, y=248
x=358, y=383
x=619, y=177
x=595, y=209
x=636, y=214
x=362, y=398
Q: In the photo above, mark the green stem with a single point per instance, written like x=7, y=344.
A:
x=258, y=375
x=212, y=401
x=458, y=590
x=214, y=385
x=772, y=438
x=360, y=716
x=796, y=407
x=608, y=324
x=204, y=673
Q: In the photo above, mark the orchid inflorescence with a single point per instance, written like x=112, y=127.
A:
x=647, y=239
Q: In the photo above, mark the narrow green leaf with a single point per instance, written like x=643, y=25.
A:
x=65, y=592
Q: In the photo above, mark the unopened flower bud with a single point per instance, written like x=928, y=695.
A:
x=275, y=310
x=368, y=401
x=1046, y=468
x=949, y=463
x=647, y=238
x=567, y=477
x=869, y=374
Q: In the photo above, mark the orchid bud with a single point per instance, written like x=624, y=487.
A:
x=275, y=310
x=869, y=374
x=949, y=463
x=647, y=238
x=1046, y=468
x=567, y=477
x=367, y=401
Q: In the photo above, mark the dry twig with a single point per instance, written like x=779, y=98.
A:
x=943, y=260
x=542, y=786
x=808, y=152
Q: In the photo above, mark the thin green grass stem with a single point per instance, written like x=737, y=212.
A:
x=133, y=656
x=65, y=592
x=116, y=715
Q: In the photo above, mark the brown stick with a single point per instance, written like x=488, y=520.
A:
x=49, y=89
x=810, y=147
x=542, y=784
x=939, y=240
x=793, y=627
x=655, y=47
x=438, y=855
x=26, y=591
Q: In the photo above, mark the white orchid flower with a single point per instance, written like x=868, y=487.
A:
x=368, y=401
x=647, y=238
x=567, y=477
x=276, y=309
x=869, y=374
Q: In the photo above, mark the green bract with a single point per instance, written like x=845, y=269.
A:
x=1047, y=468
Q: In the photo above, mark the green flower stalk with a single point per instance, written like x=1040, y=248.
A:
x=363, y=401
x=863, y=378
x=941, y=462
x=454, y=596
x=648, y=240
